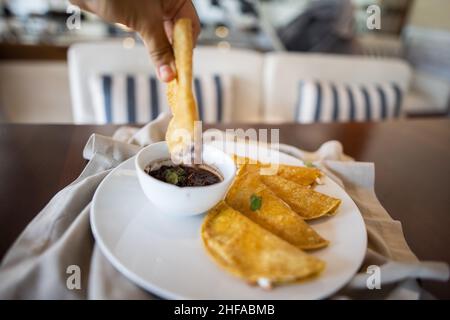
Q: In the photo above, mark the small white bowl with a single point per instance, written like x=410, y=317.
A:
x=184, y=201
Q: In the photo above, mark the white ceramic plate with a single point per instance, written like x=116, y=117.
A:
x=165, y=255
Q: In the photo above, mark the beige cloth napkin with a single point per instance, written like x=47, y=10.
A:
x=37, y=266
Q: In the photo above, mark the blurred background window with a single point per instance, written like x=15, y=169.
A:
x=255, y=24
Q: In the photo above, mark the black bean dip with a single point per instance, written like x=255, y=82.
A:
x=183, y=175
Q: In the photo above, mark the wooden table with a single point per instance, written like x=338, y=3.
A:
x=412, y=161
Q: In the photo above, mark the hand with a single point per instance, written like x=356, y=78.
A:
x=153, y=20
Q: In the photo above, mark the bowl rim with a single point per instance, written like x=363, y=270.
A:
x=226, y=180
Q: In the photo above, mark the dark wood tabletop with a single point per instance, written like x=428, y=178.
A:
x=412, y=159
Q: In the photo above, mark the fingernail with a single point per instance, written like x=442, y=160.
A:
x=166, y=73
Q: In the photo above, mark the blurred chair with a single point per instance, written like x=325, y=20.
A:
x=326, y=88
x=111, y=83
x=428, y=51
x=379, y=46
x=429, y=94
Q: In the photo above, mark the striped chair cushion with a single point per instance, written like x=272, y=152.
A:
x=139, y=98
x=320, y=101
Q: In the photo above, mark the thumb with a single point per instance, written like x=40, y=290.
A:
x=160, y=51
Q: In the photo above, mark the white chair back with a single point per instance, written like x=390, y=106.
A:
x=283, y=72
x=89, y=59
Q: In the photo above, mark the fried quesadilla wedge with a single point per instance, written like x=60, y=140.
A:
x=252, y=253
x=302, y=175
x=274, y=214
x=307, y=203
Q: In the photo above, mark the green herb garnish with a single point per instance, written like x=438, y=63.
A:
x=175, y=176
x=255, y=202
x=171, y=176
x=309, y=164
